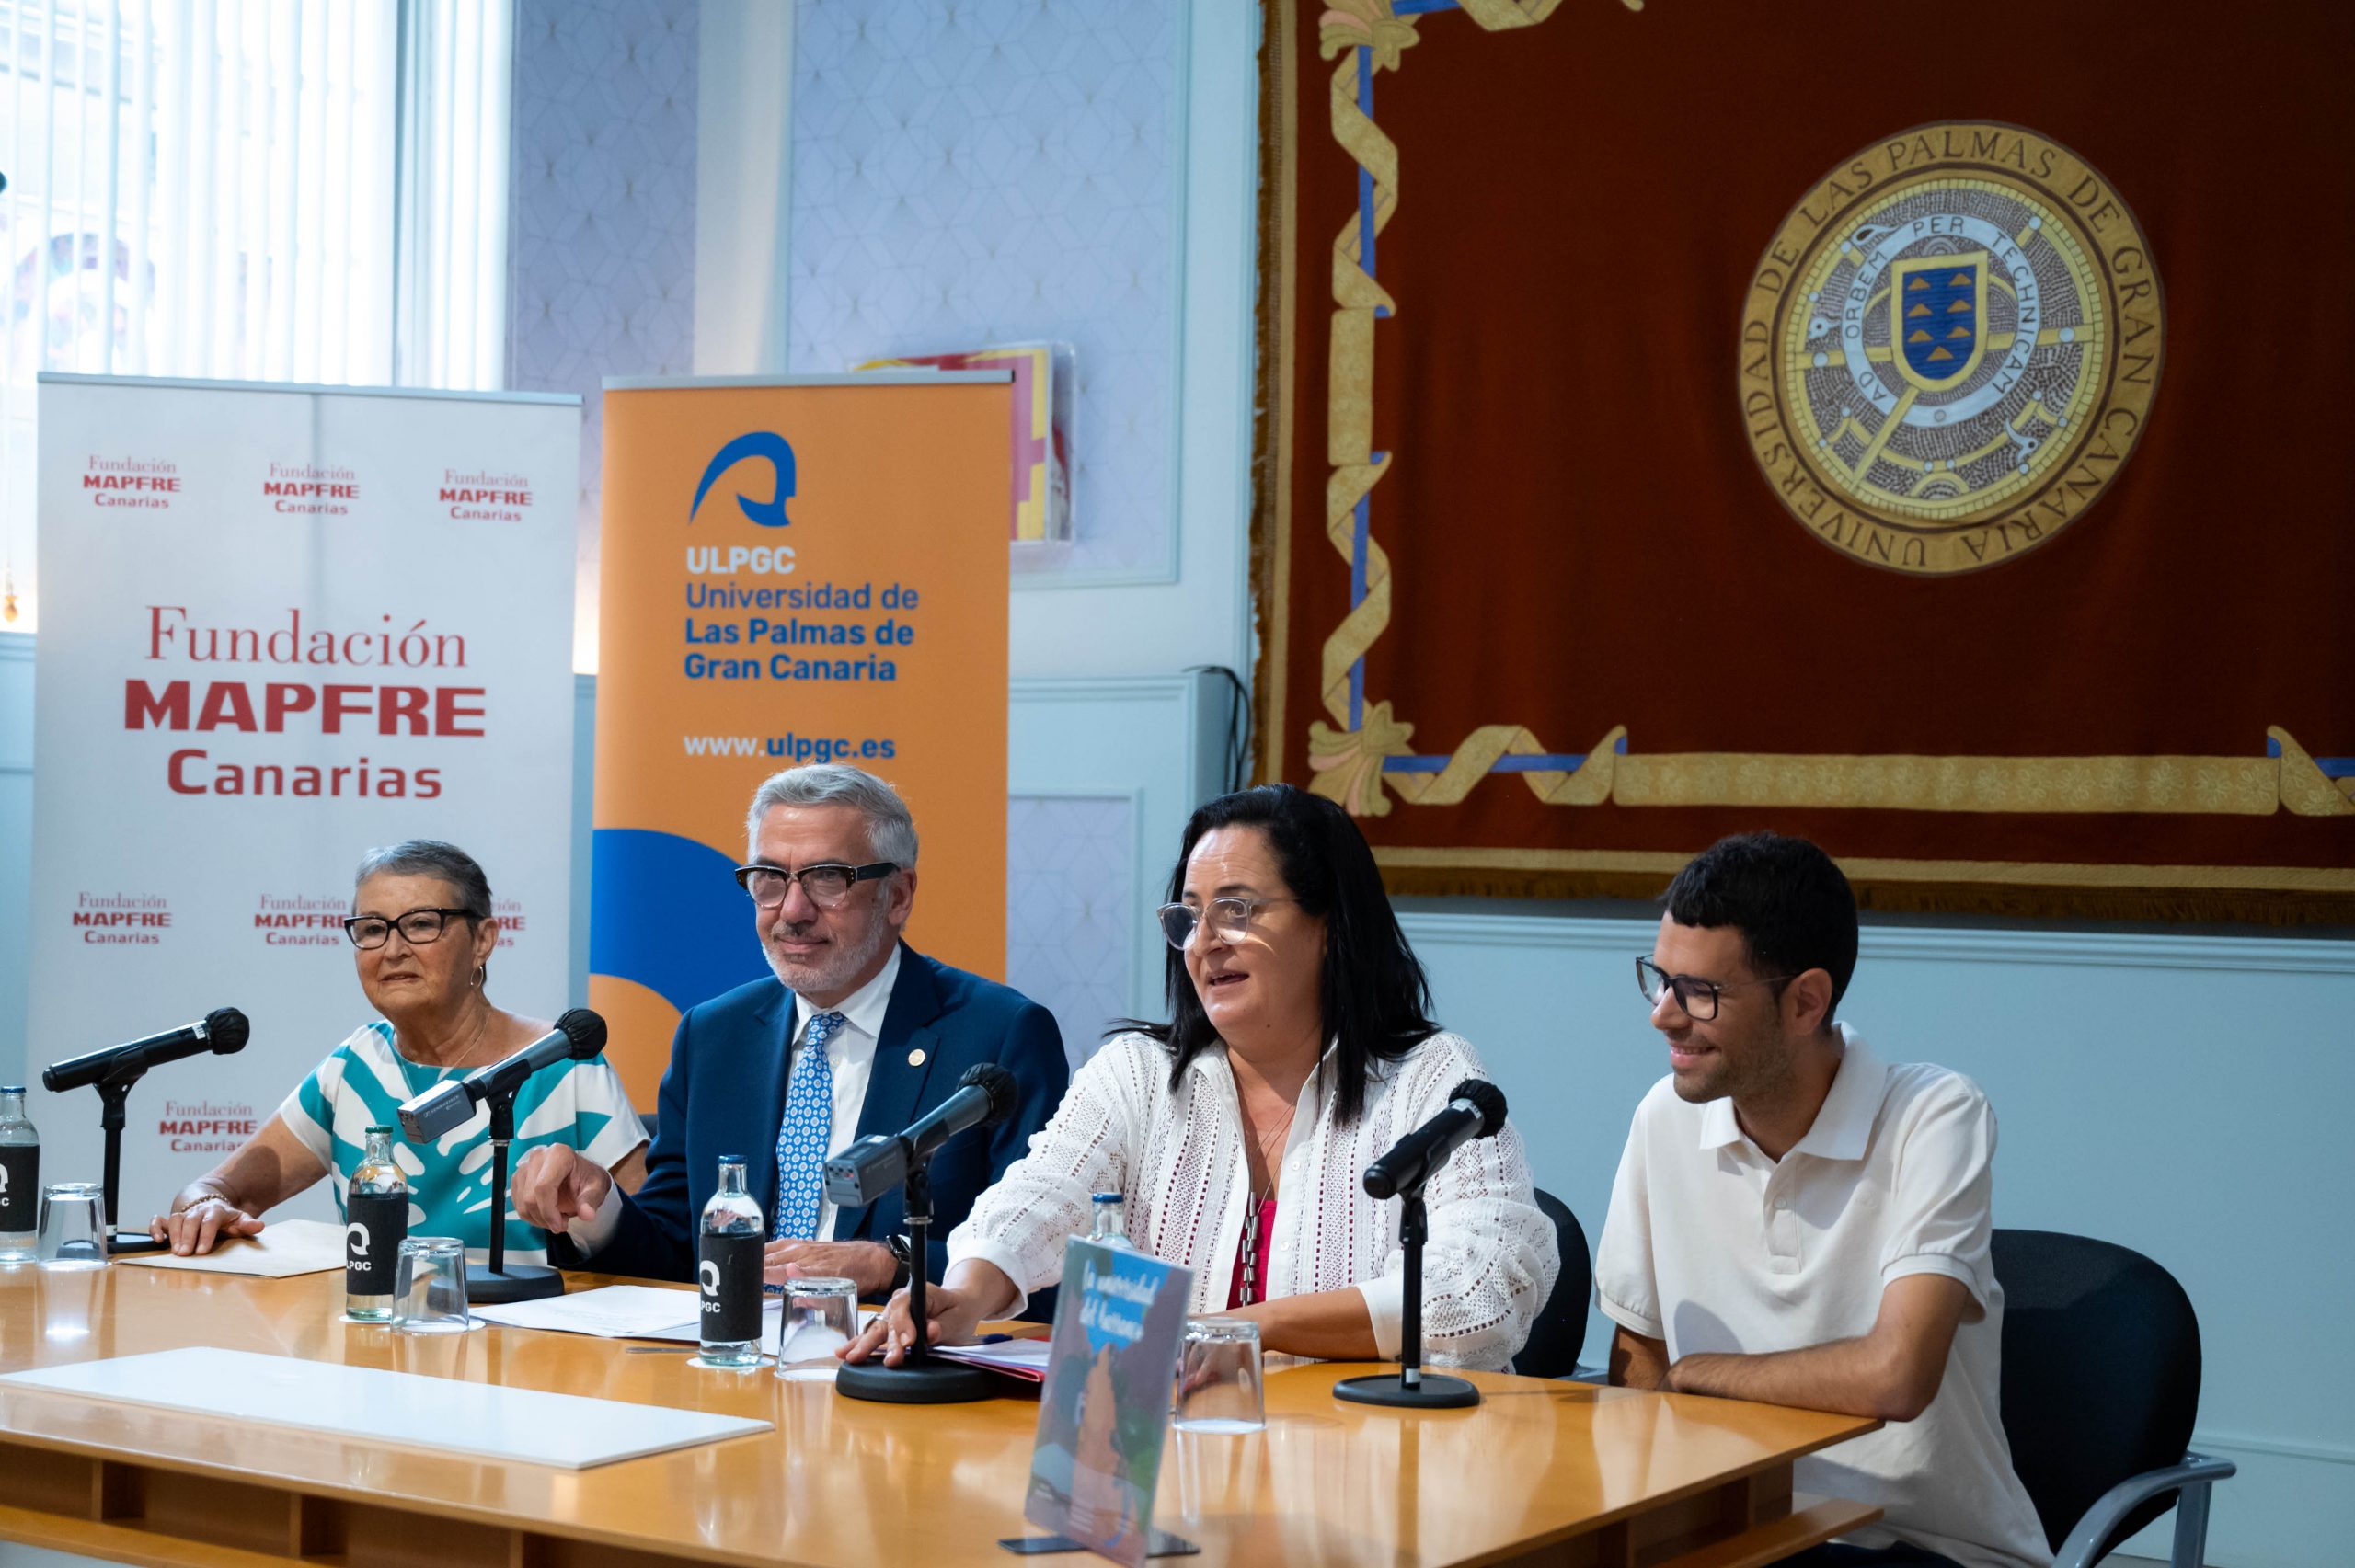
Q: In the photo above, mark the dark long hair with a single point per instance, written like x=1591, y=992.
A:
x=1375, y=999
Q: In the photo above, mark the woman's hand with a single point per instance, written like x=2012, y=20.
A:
x=974, y=1292
x=192, y=1230
x=951, y=1316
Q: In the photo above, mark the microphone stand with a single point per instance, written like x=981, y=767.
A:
x=113, y=1092
x=1407, y=1386
x=919, y=1379
x=499, y=1282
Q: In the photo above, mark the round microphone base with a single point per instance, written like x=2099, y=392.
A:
x=1390, y=1388
x=517, y=1282
x=123, y=1241
x=933, y=1382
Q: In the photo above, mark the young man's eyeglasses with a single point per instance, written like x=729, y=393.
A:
x=1230, y=918
x=418, y=927
x=825, y=885
x=1695, y=998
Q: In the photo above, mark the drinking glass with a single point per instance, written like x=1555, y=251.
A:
x=821, y=1316
x=1218, y=1377
x=429, y=1286
x=72, y=1225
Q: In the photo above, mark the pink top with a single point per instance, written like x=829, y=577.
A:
x=1258, y=1263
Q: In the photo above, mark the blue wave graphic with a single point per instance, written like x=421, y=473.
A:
x=764, y=446
x=665, y=912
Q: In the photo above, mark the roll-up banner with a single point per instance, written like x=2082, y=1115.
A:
x=793, y=571
x=282, y=625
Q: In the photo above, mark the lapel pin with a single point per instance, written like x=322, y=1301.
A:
x=916, y=1056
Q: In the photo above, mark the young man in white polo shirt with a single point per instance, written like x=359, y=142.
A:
x=1798, y=1222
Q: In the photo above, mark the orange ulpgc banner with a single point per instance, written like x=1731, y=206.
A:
x=805, y=570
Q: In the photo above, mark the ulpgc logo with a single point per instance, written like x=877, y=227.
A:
x=355, y=1242
x=754, y=446
x=708, y=1277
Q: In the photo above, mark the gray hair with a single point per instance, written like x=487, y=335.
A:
x=431, y=857
x=890, y=830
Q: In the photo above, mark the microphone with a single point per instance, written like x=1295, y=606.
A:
x=876, y=1163
x=1476, y=1109
x=224, y=1031
x=579, y=1035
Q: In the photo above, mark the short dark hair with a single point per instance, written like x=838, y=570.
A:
x=1376, y=1001
x=1791, y=903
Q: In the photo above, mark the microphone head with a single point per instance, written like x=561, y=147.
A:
x=226, y=1031
x=445, y=1105
x=586, y=1030
x=998, y=1084
x=1487, y=1098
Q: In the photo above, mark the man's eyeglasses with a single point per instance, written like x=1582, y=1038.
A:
x=1696, y=999
x=418, y=927
x=1229, y=917
x=825, y=885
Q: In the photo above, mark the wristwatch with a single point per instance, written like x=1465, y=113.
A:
x=902, y=1254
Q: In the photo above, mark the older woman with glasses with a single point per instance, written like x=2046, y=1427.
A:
x=1298, y=1051
x=422, y=934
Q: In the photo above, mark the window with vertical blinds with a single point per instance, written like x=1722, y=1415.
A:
x=304, y=191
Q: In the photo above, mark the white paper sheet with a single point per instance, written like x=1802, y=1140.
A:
x=623, y=1312
x=284, y=1248
x=445, y=1414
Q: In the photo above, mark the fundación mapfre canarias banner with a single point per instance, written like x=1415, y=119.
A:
x=802, y=570
x=282, y=625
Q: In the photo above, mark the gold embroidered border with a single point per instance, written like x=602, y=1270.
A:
x=1347, y=764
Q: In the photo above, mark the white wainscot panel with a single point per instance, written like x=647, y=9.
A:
x=1104, y=773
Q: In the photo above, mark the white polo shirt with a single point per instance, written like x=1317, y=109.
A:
x=1713, y=1247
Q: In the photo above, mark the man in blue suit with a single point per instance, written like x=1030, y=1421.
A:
x=857, y=1034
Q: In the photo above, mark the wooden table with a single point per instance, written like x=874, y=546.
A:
x=1541, y=1472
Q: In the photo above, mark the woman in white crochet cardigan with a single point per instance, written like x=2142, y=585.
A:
x=1298, y=1050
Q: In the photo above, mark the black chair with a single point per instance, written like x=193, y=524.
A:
x=1559, y=1334
x=2101, y=1385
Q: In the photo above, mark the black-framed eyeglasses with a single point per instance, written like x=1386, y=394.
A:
x=1695, y=998
x=417, y=927
x=825, y=885
x=1230, y=918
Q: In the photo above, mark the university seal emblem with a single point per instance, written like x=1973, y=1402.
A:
x=1951, y=348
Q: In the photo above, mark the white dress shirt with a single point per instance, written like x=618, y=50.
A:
x=1713, y=1247
x=1175, y=1157
x=850, y=1051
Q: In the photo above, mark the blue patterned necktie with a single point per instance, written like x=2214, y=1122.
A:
x=802, y=1136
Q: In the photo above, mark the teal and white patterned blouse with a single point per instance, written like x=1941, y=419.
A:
x=364, y=1083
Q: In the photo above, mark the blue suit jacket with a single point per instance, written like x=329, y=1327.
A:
x=724, y=1093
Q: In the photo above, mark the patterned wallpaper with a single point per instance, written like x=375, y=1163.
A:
x=967, y=172
x=1070, y=905
x=1046, y=131
x=602, y=255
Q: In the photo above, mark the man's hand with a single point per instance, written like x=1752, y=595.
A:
x=867, y=1264
x=555, y=1186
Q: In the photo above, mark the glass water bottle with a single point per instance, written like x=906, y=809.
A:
x=1111, y=1223
x=19, y=1179
x=727, y=1271
x=375, y=1211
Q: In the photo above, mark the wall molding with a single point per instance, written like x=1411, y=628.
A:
x=16, y=647
x=2273, y=1448
x=2078, y=949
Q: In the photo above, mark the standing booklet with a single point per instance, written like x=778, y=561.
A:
x=1104, y=1410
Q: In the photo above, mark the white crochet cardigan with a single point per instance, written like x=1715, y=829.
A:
x=1176, y=1156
